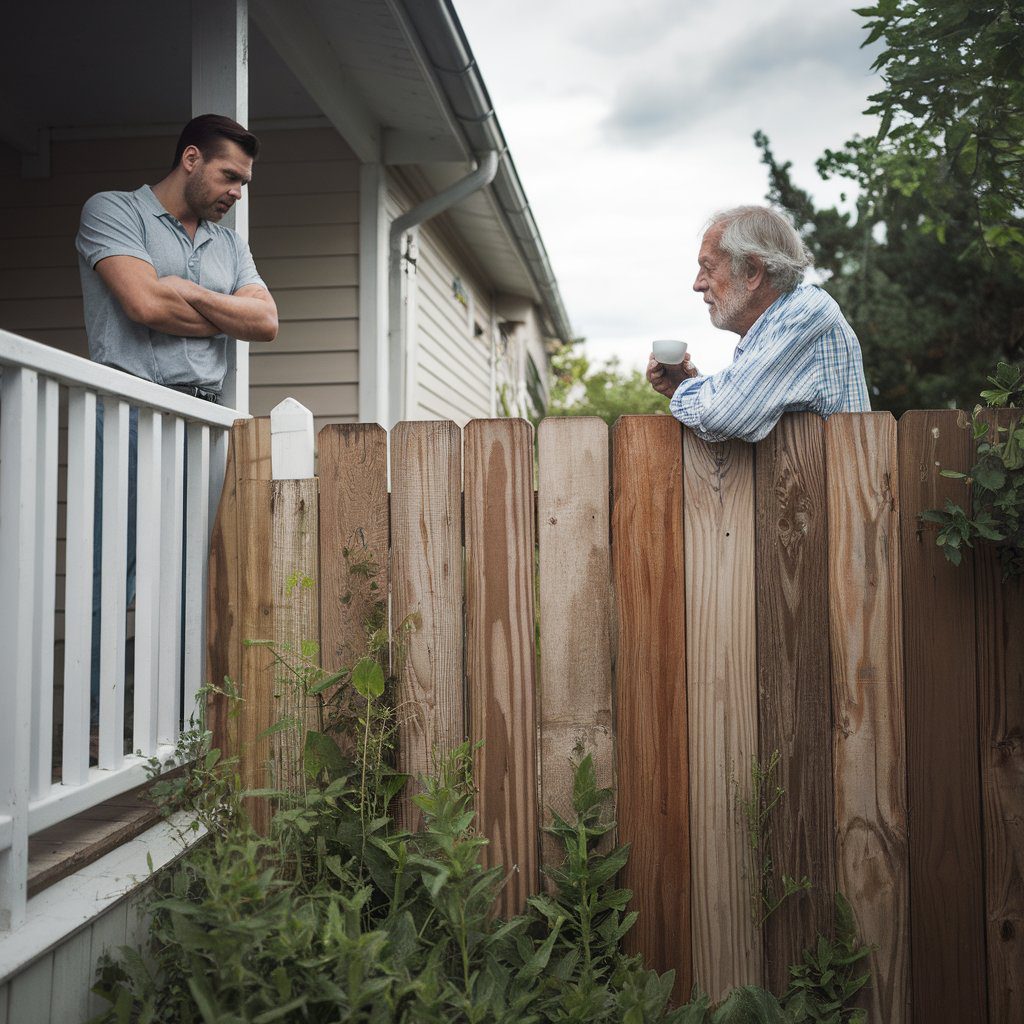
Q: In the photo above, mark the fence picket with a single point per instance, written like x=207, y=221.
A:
x=500, y=651
x=946, y=897
x=112, y=590
x=172, y=462
x=78, y=585
x=651, y=697
x=147, y=575
x=353, y=471
x=869, y=738
x=46, y=564
x=721, y=677
x=1000, y=631
x=426, y=588
x=296, y=619
x=197, y=532
x=248, y=458
x=19, y=390
x=256, y=676
x=575, y=694
x=793, y=679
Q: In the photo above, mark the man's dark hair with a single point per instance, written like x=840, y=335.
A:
x=207, y=133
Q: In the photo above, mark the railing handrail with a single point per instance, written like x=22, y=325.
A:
x=78, y=372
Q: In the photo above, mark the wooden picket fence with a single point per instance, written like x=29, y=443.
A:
x=699, y=606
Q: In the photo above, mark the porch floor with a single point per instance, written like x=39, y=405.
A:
x=69, y=845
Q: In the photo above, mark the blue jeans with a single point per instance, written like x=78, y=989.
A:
x=97, y=542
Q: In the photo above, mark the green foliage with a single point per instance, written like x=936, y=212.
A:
x=824, y=986
x=766, y=892
x=996, y=481
x=339, y=914
x=932, y=315
x=580, y=389
x=952, y=120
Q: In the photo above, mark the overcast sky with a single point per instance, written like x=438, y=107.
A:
x=631, y=124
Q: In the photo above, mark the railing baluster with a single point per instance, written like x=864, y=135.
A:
x=147, y=587
x=170, y=580
x=196, y=552
x=78, y=585
x=112, y=601
x=45, y=568
x=18, y=426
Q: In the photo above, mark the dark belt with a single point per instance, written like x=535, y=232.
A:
x=195, y=392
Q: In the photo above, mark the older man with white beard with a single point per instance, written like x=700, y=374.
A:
x=796, y=351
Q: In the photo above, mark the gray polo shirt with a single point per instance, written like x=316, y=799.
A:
x=136, y=224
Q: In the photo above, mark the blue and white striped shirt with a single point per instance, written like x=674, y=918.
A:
x=800, y=355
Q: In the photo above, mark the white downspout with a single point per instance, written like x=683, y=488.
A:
x=397, y=322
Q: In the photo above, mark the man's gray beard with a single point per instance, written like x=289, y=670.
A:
x=727, y=308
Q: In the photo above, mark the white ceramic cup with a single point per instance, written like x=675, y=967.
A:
x=669, y=353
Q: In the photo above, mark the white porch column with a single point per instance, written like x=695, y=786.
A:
x=373, y=295
x=220, y=85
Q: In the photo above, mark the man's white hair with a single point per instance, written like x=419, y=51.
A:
x=760, y=231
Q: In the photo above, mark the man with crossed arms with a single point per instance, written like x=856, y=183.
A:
x=166, y=289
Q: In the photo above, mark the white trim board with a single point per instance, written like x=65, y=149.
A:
x=74, y=902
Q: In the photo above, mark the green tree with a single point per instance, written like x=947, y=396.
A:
x=931, y=324
x=952, y=120
x=580, y=389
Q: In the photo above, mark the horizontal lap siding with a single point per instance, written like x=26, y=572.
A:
x=40, y=293
x=452, y=370
x=304, y=234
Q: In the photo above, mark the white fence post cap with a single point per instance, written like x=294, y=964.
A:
x=291, y=441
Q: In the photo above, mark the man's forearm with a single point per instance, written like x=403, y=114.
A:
x=248, y=317
x=168, y=312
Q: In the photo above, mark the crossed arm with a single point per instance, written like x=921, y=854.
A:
x=173, y=305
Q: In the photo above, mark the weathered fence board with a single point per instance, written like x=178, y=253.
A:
x=575, y=610
x=721, y=674
x=779, y=597
x=652, y=760
x=869, y=726
x=256, y=679
x=248, y=458
x=426, y=584
x=1000, y=618
x=296, y=621
x=500, y=653
x=793, y=668
x=353, y=473
x=946, y=897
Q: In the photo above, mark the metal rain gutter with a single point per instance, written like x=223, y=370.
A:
x=456, y=71
x=401, y=334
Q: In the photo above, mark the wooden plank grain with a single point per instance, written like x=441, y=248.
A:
x=721, y=672
x=651, y=688
x=248, y=458
x=575, y=693
x=500, y=654
x=1000, y=633
x=353, y=471
x=946, y=893
x=294, y=577
x=426, y=594
x=793, y=679
x=257, y=669
x=869, y=725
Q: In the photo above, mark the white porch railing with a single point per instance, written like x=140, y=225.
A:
x=169, y=423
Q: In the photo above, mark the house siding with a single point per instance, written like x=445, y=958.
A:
x=55, y=988
x=304, y=235
x=452, y=377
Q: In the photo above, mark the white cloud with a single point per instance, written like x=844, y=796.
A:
x=629, y=126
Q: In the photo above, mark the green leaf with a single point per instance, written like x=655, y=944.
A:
x=368, y=678
x=990, y=475
x=320, y=753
